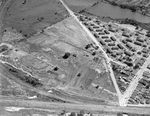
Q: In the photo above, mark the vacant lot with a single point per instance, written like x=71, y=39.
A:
x=28, y=16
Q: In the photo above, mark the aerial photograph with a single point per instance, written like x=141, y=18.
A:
x=74, y=57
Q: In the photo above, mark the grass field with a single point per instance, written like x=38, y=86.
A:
x=31, y=15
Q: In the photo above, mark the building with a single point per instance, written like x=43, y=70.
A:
x=112, y=30
x=108, y=50
x=129, y=45
x=120, y=46
x=140, y=40
x=115, y=48
x=90, y=28
x=128, y=53
x=101, y=33
x=111, y=44
x=96, y=35
x=107, y=40
x=105, y=37
x=144, y=50
x=106, y=32
x=145, y=55
x=95, y=27
x=99, y=30
x=102, y=42
x=141, y=61
x=124, y=41
x=146, y=74
x=113, y=38
x=148, y=66
x=129, y=40
x=138, y=43
x=125, y=35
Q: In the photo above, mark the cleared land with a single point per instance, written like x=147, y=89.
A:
x=31, y=15
x=64, y=60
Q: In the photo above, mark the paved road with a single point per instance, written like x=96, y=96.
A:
x=134, y=83
x=72, y=107
x=97, y=43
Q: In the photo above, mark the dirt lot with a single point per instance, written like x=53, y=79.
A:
x=28, y=16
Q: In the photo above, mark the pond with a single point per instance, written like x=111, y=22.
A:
x=107, y=10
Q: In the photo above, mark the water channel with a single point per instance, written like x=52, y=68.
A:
x=107, y=10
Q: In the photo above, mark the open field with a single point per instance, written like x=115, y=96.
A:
x=31, y=15
x=63, y=60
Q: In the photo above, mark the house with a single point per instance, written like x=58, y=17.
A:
x=120, y=46
x=124, y=41
x=128, y=53
x=129, y=40
x=101, y=33
x=125, y=35
x=119, y=53
x=141, y=61
x=146, y=74
x=96, y=35
x=148, y=66
x=102, y=42
x=129, y=45
x=111, y=44
x=112, y=30
x=144, y=50
x=86, y=24
x=107, y=40
x=115, y=48
x=90, y=28
x=106, y=32
x=108, y=50
x=145, y=55
x=105, y=37
x=138, y=43
x=113, y=38
x=96, y=27
x=140, y=40
x=99, y=30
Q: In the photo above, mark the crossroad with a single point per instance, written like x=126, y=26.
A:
x=134, y=83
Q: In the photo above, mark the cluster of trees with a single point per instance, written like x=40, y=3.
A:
x=124, y=6
x=22, y=76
